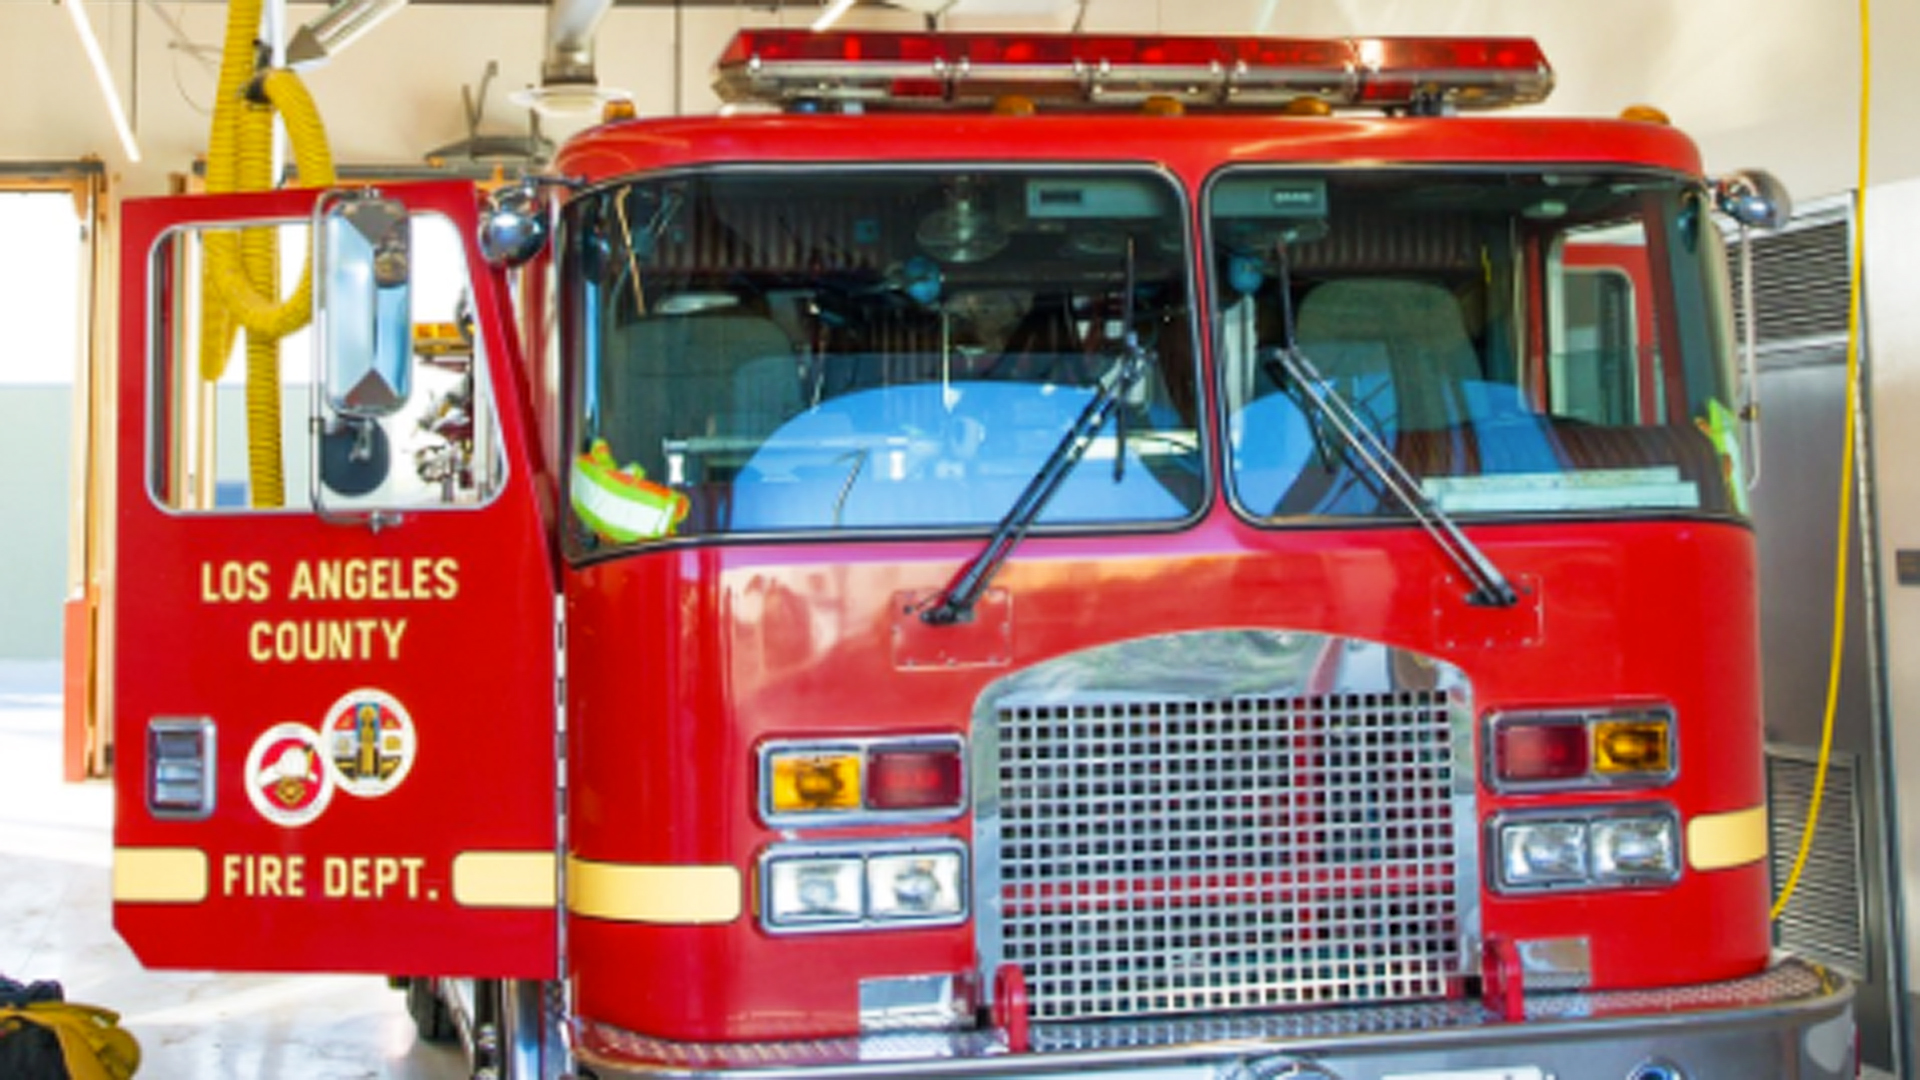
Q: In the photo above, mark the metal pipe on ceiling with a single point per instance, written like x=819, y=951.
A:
x=570, y=28
x=343, y=24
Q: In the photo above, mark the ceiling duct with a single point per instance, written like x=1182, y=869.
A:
x=343, y=24
x=568, y=86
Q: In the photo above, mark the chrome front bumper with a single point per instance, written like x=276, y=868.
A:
x=1794, y=1020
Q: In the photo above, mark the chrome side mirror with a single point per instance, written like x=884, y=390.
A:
x=363, y=307
x=513, y=227
x=1755, y=198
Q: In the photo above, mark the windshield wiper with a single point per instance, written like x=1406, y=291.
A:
x=960, y=594
x=956, y=602
x=1490, y=587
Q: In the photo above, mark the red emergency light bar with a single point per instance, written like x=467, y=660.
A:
x=909, y=70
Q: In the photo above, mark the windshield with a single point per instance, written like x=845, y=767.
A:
x=1547, y=343
x=875, y=350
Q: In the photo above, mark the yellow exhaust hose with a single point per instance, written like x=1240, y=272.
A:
x=240, y=278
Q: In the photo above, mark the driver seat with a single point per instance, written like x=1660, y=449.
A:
x=1396, y=349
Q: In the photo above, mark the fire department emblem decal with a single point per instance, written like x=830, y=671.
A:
x=287, y=776
x=370, y=743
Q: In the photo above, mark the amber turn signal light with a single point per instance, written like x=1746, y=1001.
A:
x=815, y=781
x=1631, y=746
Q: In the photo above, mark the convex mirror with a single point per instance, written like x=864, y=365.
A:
x=1754, y=198
x=513, y=227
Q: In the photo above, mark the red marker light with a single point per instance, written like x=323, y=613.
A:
x=1533, y=753
x=920, y=778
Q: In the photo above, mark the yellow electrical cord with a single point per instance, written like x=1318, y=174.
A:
x=1846, y=469
x=240, y=277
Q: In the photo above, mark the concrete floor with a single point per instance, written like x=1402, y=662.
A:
x=56, y=923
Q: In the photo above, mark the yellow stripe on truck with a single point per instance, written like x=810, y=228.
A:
x=666, y=895
x=504, y=879
x=159, y=875
x=1722, y=841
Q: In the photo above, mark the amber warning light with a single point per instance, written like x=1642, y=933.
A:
x=872, y=69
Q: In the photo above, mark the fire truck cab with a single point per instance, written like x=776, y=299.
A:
x=1042, y=555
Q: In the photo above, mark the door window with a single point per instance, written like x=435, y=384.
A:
x=225, y=438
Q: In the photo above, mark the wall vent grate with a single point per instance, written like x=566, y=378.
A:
x=1824, y=921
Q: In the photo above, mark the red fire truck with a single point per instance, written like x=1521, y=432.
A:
x=1179, y=557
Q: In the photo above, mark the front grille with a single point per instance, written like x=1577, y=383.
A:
x=1143, y=857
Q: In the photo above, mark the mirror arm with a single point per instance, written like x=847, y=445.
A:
x=374, y=520
x=1749, y=362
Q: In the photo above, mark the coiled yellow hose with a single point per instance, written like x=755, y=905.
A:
x=1845, y=524
x=240, y=278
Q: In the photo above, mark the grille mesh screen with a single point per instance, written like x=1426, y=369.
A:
x=1244, y=853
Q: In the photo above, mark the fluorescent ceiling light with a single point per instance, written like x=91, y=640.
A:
x=831, y=15
x=104, y=77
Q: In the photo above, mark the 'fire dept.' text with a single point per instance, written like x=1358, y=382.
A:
x=340, y=877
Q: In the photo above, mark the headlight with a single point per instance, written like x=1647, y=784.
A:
x=862, y=886
x=1635, y=849
x=914, y=886
x=1544, y=853
x=1586, y=849
x=814, y=892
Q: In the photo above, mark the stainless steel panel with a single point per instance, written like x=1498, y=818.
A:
x=1556, y=963
x=1800, y=281
x=919, y=1003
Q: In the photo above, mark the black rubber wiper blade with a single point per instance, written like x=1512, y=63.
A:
x=1489, y=587
x=956, y=602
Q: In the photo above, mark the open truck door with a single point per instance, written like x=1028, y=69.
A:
x=335, y=711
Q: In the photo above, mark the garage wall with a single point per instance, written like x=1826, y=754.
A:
x=1892, y=276
x=35, y=422
x=1777, y=91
